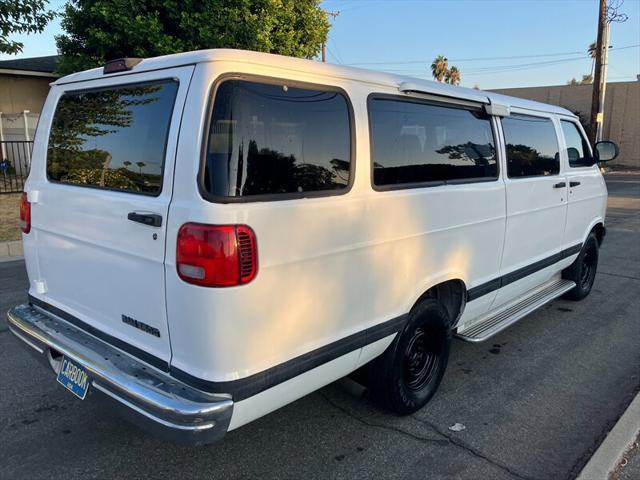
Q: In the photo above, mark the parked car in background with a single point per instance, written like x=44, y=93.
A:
x=212, y=235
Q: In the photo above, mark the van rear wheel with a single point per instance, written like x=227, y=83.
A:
x=583, y=270
x=405, y=377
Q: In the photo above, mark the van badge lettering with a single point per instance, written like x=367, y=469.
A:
x=141, y=326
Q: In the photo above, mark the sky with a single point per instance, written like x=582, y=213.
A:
x=495, y=43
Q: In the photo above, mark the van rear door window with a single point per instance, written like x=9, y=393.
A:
x=416, y=142
x=532, y=146
x=276, y=140
x=112, y=138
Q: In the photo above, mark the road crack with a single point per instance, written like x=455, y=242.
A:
x=619, y=275
x=436, y=441
x=460, y=444
x=447, y=439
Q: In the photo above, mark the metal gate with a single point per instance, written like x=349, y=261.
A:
x=15, y=161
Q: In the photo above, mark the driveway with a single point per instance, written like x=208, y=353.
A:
x=536, y=401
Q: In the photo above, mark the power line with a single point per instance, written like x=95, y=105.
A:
x=505, y=68
x=492, y=69
x=478, y=59
x=422, y=62
x=336, y=51
x=517, y=68
x=333, y=54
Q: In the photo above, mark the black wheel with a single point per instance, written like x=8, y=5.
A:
x=583, y=269
x=407, y=375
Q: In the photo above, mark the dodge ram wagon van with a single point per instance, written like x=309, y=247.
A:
x=212, y=235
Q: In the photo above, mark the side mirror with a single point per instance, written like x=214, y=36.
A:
x=606, y=151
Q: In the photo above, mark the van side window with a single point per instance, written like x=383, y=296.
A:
x=416, y=142
x=577, y=146
x=112, y=138
x=274, y=139
x=532, y=146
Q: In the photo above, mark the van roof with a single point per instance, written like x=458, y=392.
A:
x=403, y=83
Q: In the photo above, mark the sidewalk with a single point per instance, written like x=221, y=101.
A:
x=11, y=250
x=618, y=458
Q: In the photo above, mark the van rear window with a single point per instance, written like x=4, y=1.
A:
x=276, y=140
x=112, y=138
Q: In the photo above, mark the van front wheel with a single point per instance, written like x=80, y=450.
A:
x=583, y=270
x=407, y=375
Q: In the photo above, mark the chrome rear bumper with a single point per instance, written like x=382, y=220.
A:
x=144, y=395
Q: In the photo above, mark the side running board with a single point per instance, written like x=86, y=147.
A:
x=497, y=320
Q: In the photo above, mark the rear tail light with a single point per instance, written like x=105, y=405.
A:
x=216, y=255
x=25, y=213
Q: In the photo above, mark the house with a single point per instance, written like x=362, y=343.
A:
x=24, y=84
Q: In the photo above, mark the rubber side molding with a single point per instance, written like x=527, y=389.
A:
x=499, y=282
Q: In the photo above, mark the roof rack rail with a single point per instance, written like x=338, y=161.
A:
x=443, y=91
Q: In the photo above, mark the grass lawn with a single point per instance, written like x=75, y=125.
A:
x=10, y=216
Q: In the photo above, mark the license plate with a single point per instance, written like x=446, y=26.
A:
x=74, y=378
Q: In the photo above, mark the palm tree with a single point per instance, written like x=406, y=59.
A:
x=126, y=164
x=439, y=67
x=140, y=165
x=593, y=53
x=453, y=76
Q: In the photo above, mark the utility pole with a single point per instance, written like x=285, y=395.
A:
x=607, y=15
x=324, y=47
x=603, y=87
x=598, y=80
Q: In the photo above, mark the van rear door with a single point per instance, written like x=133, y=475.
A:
x=100, y=187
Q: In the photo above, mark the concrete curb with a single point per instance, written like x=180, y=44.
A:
x=622, y=172
x=11, y=250
x=617, y=442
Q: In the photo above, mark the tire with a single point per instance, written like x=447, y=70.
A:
x=583, y=270
x=405, y=377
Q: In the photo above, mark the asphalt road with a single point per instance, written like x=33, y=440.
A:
x=536, y=401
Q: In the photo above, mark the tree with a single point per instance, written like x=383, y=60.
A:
x=439, y=67
x=441, y=71
x=141, y=165
x=102, y=112
x=100, y=30
x=453, y=76
x=586, y=80
x=21, y=16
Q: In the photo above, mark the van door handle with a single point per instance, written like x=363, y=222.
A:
x=574, y=184
x=151, y=219
x=560, y=185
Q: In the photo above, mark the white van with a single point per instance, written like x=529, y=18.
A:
x=212, y=235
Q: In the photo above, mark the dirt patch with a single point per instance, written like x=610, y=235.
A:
x=10, y=216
